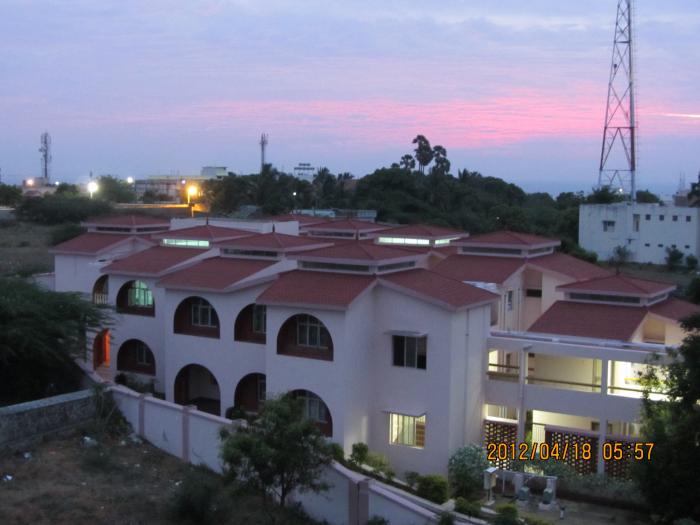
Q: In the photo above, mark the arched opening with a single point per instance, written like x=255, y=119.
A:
x=315, y=410
x=135, y=356
x=100, y=290
x=251, y=324
x=135, y=298
x=196, y=316
x=100, y=349
x=195, y=385
x=304, y=335
x=250, y=393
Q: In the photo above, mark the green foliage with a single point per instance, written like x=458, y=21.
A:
x=70, y=189
x=412, y=478
x=532, y=520
x=674, y=258
x=359, y=453
x=195, y=498
x=575, y=250
x=645, y=196
x=380, y=464
x=621, y=255
x=277, y=453
x=113, y=189
x=604, y=195
x=64, y=232
x=40, y=334
x=691, y=262
x=377, y=520
x=468, y=508
x=669, y=480
x=692, y=291
x=236, y=412
x=9, y=195
x=446, y=518
x=56, y=209
x=337, y=452
x=433, y=488
x=466, y=470
x=506, y=514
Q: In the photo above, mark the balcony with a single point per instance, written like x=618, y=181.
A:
x=100, y=298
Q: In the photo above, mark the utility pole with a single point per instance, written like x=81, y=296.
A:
x=263, y=145
x=618, y=171
x=45, y=150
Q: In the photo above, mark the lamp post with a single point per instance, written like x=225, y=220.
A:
x=92, y=187
x=130, y=180
x=191, y=192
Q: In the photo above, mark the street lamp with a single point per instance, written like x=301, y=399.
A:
x=191, y=192
x=92, y=187
x=130, y=180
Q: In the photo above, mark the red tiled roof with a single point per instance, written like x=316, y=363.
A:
x=619, y=284
x=510, y=238
x=153, y=261
x=347, y=225
x=358, y=251
x=568, y=265
x=205, y=233
x=216, y=273
x=273, y=241
x=316, y=289
x=91, y=243
x=438, y=287
x=675, y=309
x=127, y=221
x=301, y=219
x=479, y=268
x=424, y=230
x=600, y=321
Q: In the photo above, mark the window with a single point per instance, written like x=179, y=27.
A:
x=509, y=300
x=410, y=352
x=687, y=218
x=314, y=407
x=675, y=218
x=407, y=430
x=635, y=222
x=259, y=319
x=661, y=217
x=647, y=217
x=186, y=243
x=687, y=246
x=203, y=314
x=143, y=355
x=660, y=245
x=608, y=226
x=533, y=292
x=262, y=389
x=311, y=332
x=139, y=295
x=646, y=244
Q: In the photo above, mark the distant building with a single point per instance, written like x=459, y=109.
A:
x=304, y=171
x=646, y=230
x=37, y=187
x=214, y=172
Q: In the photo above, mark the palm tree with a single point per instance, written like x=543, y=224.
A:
x=424, y=153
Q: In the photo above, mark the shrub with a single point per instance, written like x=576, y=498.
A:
x=432, y=488
x=337, y=452
x=691, y=262
x=507, y=514
x=446, y=518
x=412, y=478
x=65, y=232
x=359, y=453
x=56, y=209
x=674, y=258
x=377, y=520
x=468, y=508
x=466, y=470
x=235, y=412
x=193, y=500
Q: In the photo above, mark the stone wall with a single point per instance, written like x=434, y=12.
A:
x=25, y=424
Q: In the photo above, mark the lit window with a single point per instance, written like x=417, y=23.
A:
x=139, y=295
x=311, y=332
x=410, y=352
x=259, y=319
x=407, y=430
x=186, y=243
x=203, y=314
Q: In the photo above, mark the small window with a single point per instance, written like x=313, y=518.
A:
x=203, y=314
x=660, y=245
x=687, y=218
x=647, y=217
x=646, y=244
x=407, y=430
x=259, y=319
x=687, y=246
x=673, y=246
x=509, y=300
x=661, y=218
x=635, y=222
x=675, y=218
x=533, y=292
x=410, y=352
x=608, y=226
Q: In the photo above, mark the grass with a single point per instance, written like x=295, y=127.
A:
x=117, y=481
x=24, y=248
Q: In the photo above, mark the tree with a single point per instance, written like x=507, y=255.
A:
x=442, y=164
x=9, y=195
x=407, y=162
x=604, y=195
x=115, y=190
x=70, y=189
x=424, y=153
x=669, y=479
x=55, y=209
x=466, y=470
x=621, y=255
x=277, y=453
x=692, y=292
x=40, y=334
x=645, y=196
x=674, y=258
x=691, y=262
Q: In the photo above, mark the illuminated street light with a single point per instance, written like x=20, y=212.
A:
x=183, y=182
x=130, y=180
x=30, y=182
x=191, y=192
x=92, y=187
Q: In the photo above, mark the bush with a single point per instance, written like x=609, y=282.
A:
x=65, y=232
x=412, y=478
x=466, y=470
x=377, y=520
x=337, y=452
x=193, y=500
x=674, y=258
x=359, y=453
x=235, y=412
x=432, y=488
x=57, y=209
x=507, y=514
x=691, y=262
x=446, y=518
x=468, y=508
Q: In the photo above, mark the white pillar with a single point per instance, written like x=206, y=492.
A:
x=522, y=376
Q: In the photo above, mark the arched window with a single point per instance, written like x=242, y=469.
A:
x=100, y=290
x=196, y=316
x=135, y=298
x=304, y=335
x=196, y=385
x=251, y=393
x=135, y=356
x=315, y=410
x=251, y=324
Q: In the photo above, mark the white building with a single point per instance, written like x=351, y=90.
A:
x=647, y=230
x=413, y=339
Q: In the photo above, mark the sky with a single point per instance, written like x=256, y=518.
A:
x=510, y=88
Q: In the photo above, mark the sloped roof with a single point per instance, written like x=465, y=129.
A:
x=600, y=321
x=358, y=251
x=568, y=265
x=438, y=288
x=130, y=221
x=205, y=232
x=322, y=289
x=301, y=219
x=274, y=241
x=153, y=261
x=424, y=231
x=673, y=308
x=92, y=243
x=346, y=225
x=215, y=273
x=619, y=284
x=510, y=238
x=478, y=268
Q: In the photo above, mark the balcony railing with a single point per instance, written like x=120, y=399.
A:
x=559, y=383
x=99, y=298
x=503, y=372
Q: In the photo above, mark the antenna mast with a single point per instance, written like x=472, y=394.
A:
x=620, y=132
x=263, y=145
x=45, y=151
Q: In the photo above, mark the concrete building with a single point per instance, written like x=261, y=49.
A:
x=415, y=340
x=647, y=230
